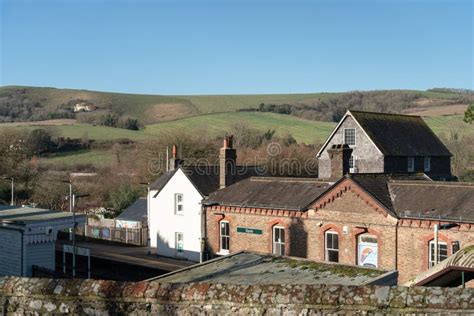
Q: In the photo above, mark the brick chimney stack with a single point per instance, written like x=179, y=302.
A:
x=339, y=155
x=174, y=162
x=227, y=163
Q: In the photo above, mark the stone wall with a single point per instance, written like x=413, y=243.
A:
x=92, y=297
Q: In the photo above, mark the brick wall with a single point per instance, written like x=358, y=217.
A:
x=96, y=297
x=402, y=245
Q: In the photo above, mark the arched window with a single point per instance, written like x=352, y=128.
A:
x=278, y=240
x=367, y=251
x=442, y=253
x=224, y=237
x=332, y=246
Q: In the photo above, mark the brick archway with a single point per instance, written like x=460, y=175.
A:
x=322, y=236
x=355, y=235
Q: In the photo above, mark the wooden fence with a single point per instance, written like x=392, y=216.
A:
x=132, y=236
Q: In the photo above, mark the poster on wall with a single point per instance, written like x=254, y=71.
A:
x=368, y=254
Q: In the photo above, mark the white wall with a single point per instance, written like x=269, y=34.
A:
x=164, y=223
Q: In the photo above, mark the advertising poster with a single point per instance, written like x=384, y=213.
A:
x=368, y=254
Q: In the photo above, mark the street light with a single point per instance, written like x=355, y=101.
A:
x=72, y=235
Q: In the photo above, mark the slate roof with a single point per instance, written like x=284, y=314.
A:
x=414, y=196
x=271, y=192
x=137, y=212
x=448, y=272
x=204, y=178
x=377, y=184
x=400, y=135
x=436, y=199
x=254, y=268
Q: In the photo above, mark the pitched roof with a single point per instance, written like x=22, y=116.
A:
x=433, y=199
x=136, y=212
x=415, y=196
x=271, y=192
x=377, y=184
x=204, y=178
x=400, y=135
x=448, y=272
x=254, y=268
x=160, y=183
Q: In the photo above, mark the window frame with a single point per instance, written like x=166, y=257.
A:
x=410, y=164
x=279, y=243
x=177, y=242
x=344, y=136
x=178, y=203
x=327, y=250
x=431, y=261
x=221, y=236
x=427, y=164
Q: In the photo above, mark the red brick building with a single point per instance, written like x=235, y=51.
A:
x=371, y=220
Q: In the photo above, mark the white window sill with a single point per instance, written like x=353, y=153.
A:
x=223, y=253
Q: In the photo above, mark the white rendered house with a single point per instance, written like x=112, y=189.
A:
x=176, y=220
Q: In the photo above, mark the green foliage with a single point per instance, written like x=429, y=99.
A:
x=122, y=197
x=39, y=140
x=469, y=114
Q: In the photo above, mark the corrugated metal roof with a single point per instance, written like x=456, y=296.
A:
x=461, y=260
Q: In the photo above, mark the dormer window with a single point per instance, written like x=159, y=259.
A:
x=349, y=136
x=411, y=164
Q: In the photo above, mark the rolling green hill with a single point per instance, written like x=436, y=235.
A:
x=214, y=125
x=151, y=109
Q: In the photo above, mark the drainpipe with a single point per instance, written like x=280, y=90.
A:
x=396, y=246
x=148, y=218
x=203, y=233
x=436, y=244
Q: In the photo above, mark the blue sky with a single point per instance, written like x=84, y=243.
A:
x=223, y=47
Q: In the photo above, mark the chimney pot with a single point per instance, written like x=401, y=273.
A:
x=227, y=163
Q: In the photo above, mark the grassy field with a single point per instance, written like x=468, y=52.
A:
x=217, y=124
x=159, y=108
x=447, y=124
x=83, y=157
x=80, y=130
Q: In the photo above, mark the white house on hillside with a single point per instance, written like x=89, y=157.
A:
x=176, y=220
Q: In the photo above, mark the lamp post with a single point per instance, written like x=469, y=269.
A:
x=74, y=197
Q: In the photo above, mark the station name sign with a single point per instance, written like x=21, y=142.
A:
x=249, y=230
